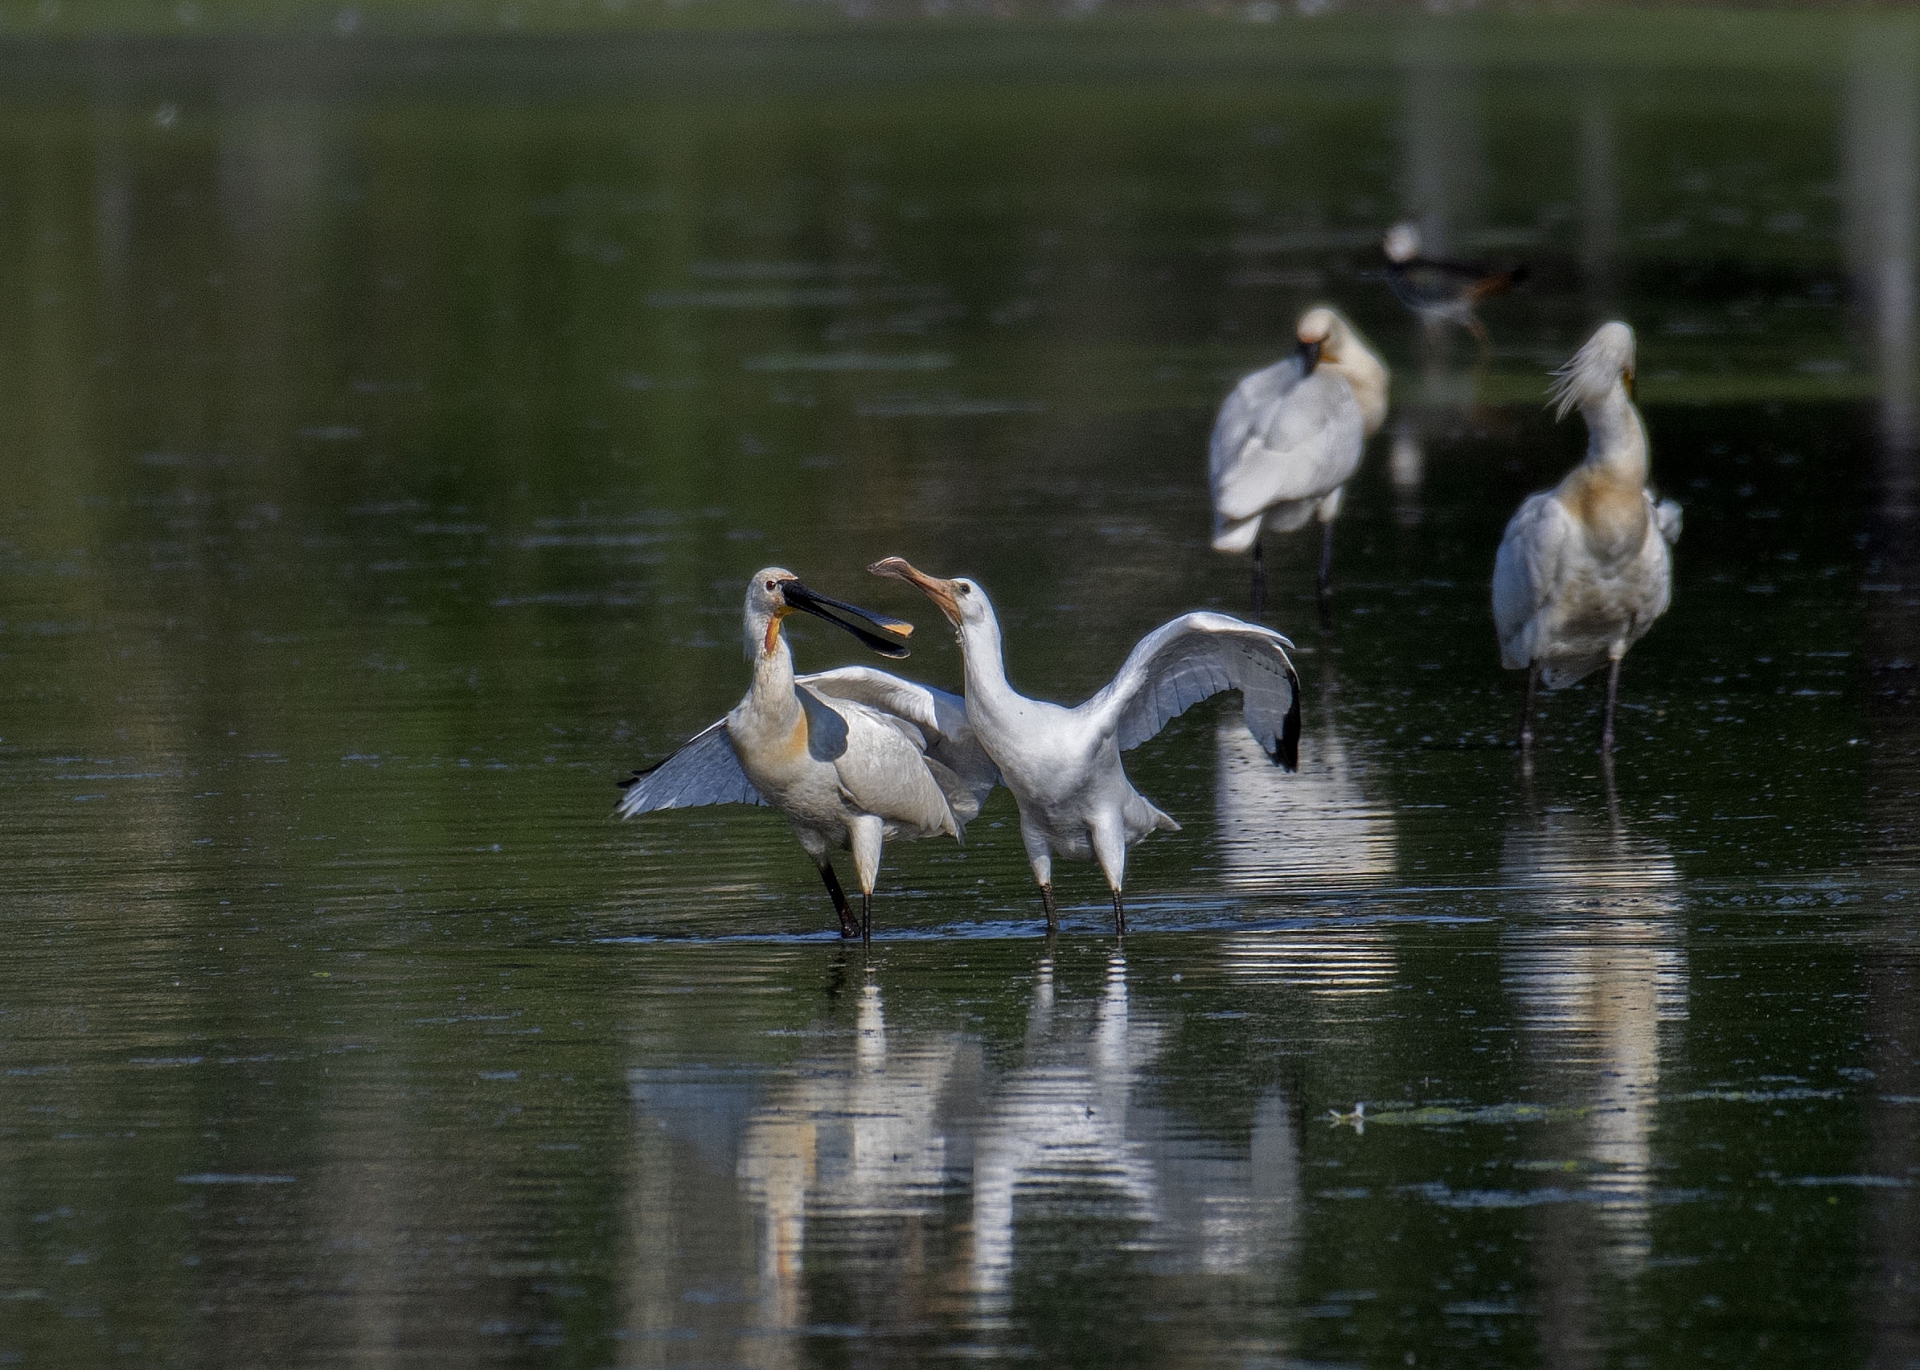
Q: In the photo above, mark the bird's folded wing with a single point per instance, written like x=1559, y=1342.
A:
x=884, y=771
x=1195, y=657
x=705, y=771
x=1301, y=445
x=1242, y=411
x=1526, y=570
x=941, y=716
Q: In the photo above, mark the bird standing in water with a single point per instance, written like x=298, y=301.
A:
x=1586, y=567
x=852, y=757
x=1438, y=291
x=1289, y=438
x=1063, y=765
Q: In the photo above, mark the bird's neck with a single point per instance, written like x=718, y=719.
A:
x=986, y=665
x=773, y=668
x=1367, y=377
x=1616, y=439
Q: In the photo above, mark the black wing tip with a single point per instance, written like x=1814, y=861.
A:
x=1286, y=751
x=642, y=773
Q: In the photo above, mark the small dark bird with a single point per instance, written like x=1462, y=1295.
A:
x=1438, y=291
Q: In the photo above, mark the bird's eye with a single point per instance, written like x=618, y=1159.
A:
x=773, y=585
x=965, y=588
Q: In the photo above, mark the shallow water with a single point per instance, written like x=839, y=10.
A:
x=389, y=432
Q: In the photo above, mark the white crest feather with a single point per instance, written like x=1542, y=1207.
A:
x=1605, y=361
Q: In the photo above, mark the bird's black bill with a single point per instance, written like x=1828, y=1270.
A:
x=1309, y=357
x=799, y=596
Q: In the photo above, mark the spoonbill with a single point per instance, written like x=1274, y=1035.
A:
x=1063, y=765
x=852, y=756
x=1586, y=567
x=1288, y=439
x=1438, y=291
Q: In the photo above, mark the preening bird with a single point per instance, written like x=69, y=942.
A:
x=1289, y=438
x=1063, y=765
x=852, y=757
x=1438, y=291
x=1586, y=567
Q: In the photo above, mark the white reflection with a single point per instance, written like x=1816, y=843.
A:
x=1276, y=832
x=1881, y=154
x=1597, y=968
x=861, y=1149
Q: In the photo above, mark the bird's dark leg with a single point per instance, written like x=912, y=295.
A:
x=866, y=916
x=1053, y=912
x=839, y=899
x=1526, y=709
x=1119, y=914
x=1324, y=584
x=1259, y=579
x=1613, y=693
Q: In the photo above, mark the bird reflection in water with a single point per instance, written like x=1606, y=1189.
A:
x=1597, y=967
x=849, y=1163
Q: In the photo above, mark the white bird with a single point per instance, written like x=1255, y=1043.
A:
x=1439, y=291
x=1288, y=440
x=1586, y=567
x=1063, y=765
x=852, y=757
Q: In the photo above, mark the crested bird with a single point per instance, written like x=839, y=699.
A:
x=1063, y=764
x=1289, y=438
x=1586, y=567
x=853, y=757
x=1439, y=291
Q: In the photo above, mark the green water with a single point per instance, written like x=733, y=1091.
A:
x=387, y=431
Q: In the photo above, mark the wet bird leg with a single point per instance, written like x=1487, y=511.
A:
x=1259, y=579
x=1325, y=582
x=866, y=917
x=839, y=899
x=1119, y=915
x=1526, y=710
x=1613, y=692
x=1053, y=913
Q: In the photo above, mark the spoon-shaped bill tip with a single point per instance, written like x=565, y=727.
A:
x=838, y=612
x=935, y=589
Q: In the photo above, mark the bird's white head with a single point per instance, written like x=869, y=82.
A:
x=1327, y=339
x=1402, y=243
x=775, y=592
x=962, y=601
x=1606, y=361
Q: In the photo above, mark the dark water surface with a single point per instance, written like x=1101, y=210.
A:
x=386, y=434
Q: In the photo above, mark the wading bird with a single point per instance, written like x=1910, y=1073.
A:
x=1063, y=765
x=852, y=757
x=1586, y=567
x=1288, y=439
x=1438, y=291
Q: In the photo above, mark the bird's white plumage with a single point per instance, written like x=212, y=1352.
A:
x=1289, y=437
x=1584, y=569
x=851, y=757
x=1063, y=764
x=1283, y=442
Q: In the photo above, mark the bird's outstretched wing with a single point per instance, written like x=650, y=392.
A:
x=940, y=718
x=705, y=771
x=1282, y=436
x=1195, y=657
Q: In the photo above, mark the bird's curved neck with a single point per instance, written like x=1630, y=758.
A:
x=1616, y=439
x=772, y=660
x=986, y=663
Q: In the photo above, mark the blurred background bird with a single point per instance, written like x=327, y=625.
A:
x=1440, y=291
x=852, y=757
x=1586, y=567
x=1063, y=764
x=1289, y=438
